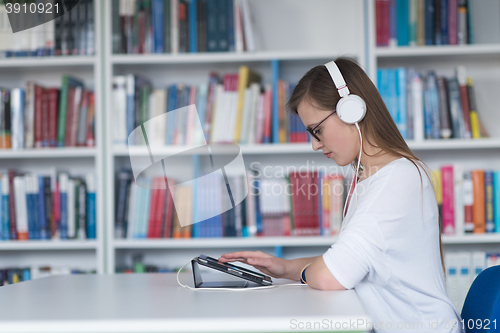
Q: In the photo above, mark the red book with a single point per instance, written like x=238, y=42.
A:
x=168, y=214
x=45, y=118
x=448, y=209
x=90, y=119
x=53, y=97
x=453, y=22
x=382, y=22
x=160, y=208
x=464, y=100
x=38, y=116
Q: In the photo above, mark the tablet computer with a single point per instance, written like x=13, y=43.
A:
x=240, y=272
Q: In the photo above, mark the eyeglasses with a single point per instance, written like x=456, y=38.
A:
x=313, y=131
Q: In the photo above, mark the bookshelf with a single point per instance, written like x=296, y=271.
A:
x=85, y=254
x=482, y=64
x=296, y=48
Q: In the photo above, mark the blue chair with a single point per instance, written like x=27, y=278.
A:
x=482, y=304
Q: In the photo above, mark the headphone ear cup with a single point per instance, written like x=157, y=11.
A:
x=351, y=109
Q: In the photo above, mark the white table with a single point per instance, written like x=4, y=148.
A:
x=156, y=303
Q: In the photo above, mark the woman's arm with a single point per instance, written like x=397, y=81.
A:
x=318, y=276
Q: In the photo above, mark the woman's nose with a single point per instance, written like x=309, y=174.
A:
x=316, y=144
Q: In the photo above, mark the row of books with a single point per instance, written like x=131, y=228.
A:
x=236, y=108
x=469, y=200
x=432, y=22
x=302, y=204
x=38, y=116
x=462, y=268
x=14, y=275
x=47, y=207
x=34, y=35
x=181, y=26
x=431, y=106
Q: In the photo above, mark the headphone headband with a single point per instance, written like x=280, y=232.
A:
x=337, y=78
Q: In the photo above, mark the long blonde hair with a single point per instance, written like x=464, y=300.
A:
x=378, y=127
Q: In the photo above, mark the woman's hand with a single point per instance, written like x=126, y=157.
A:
x=266, y=263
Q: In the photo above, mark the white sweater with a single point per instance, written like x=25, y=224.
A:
x=389, y=252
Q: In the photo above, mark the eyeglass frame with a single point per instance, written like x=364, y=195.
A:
x=311, y=130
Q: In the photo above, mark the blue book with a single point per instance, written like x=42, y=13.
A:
x=444, y=22
x=489, y=201
x=403, y=22
x=4, y=217
x=172, y=105
x=91, y=208
x=392, y=93
x=42, y=221
x=201, y=104
x=430, y=20
x=258, y=215
x=30, y=207
x=496, y=199
x=63, y=195
x=193, y=32
x=196, y=194
x=26, y=275
x=275, y=106
x=402, y=120
x=434, y=99
x=393, y=23
x=230, y=26
x=1, y=213
x=157, y=7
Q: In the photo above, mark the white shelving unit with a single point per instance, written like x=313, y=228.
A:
x=482, y=62
x=298, y=47
x=48, y=71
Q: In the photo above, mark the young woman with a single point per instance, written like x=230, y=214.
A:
x=389, y=248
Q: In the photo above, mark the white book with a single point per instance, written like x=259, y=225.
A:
x=29, y=115
x=231, y=111
x=468, y=198
x=245, y=119
x=71, y=209
x=458, y=204
x=131, y=210
x=17, y=121
x=218, y=116
x=174, y=40
x=256, y=134
x=238, y=27
x=157, y=124
x=21, y=207
x=119, y=109
x=248, y=26
x=254, y=111
x=418, y=108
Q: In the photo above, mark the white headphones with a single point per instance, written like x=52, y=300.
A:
x=351, y=109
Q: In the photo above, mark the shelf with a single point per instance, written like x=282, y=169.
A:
x=472, y=239
x=221, y=242
x=486, y=143
x=217, y=57
x=48, y=61
x=48, y=245
x=48, y=153
x=269, y=242
x=437, y=50
x=287, y=148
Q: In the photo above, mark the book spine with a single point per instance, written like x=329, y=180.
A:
x=5, y=216
x=478, y=209
x=496, y=202
x=448, y=208
x=468, y=200
x=489, y=201
x=90, y=215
